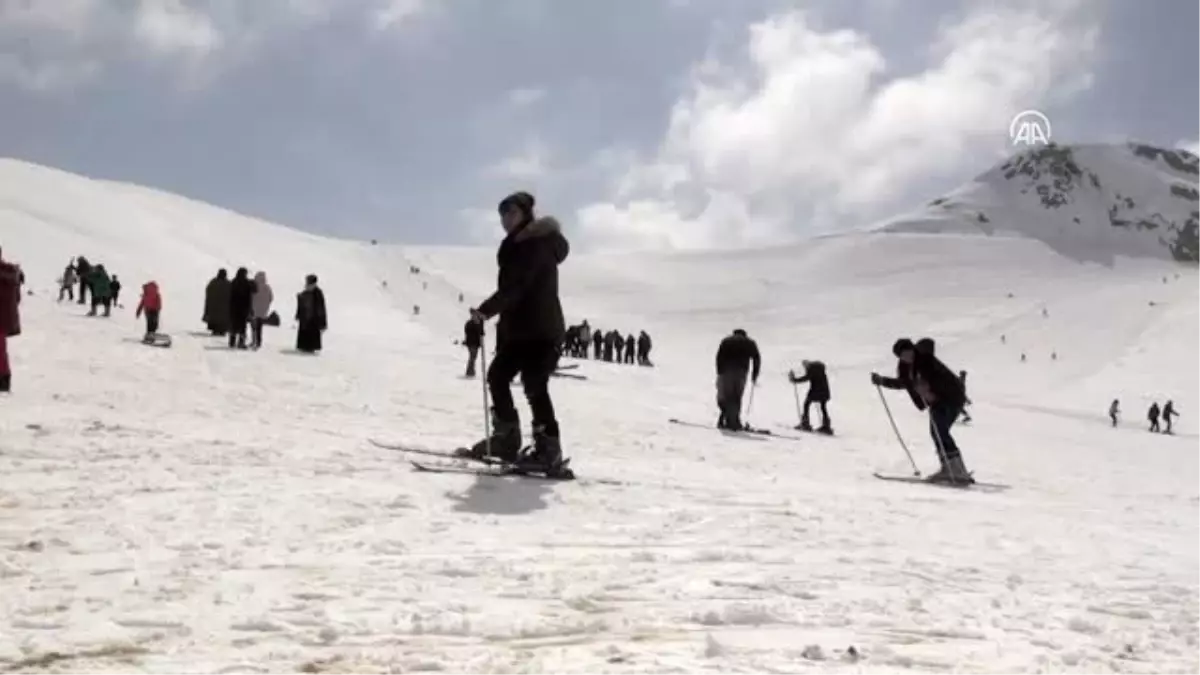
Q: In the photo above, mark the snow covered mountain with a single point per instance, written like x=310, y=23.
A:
x=1088, y=202
x=195, y=509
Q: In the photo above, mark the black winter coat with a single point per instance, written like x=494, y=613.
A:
x=814, y=374
x=472, y=333
x=241, y=295
x=526, y=296
x=738, y=353
x=310, y=309
x=927, y=380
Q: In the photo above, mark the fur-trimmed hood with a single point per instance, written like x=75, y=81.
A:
x=545, y=226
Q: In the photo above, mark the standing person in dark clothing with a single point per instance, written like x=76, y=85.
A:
x=1114, y=409
x=216, y=304
x=630, y=345
x=619, y=346
x=736, y=355
x=530, y=329
x=473, y=340
x=114, y=288
x=643, y=347
x=83, y=269
x=1168, y=412
x=241, y=299
x=818, y=392
x=933, y=386
x=1152, y=415
x=101, y=287
x=311, y=316
x=598, y=344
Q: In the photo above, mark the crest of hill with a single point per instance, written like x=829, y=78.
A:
x=1090, y=202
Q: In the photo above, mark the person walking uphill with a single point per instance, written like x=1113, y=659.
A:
x=933, y=386
x=736, y=355
x=151, y=306
x=311, y=317
x=10, y=316
x=530, y=328
x=260, y=308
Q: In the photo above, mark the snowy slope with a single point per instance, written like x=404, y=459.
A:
x=1088, y=202
x=198, y=510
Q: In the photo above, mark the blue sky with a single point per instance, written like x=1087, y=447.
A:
x=639, y=123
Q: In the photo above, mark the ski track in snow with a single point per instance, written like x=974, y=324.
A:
x=192, y=509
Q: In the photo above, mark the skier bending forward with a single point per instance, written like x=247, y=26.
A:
x=530, y=329
x=930, y=384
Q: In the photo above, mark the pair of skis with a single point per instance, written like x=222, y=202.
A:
x=744, y=430
x=451, y=462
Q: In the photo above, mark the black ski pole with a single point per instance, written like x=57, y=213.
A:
x=888, y=410
x=487, y=420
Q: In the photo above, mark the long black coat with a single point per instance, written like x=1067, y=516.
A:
x=216, y=303
x=472, y=333
x=526, y=296
x=312, y=319
x=241, y=297
x=818, y=387
x=738, y=352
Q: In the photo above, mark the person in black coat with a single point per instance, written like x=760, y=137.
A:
x=529, y=332
x=216, y=304
x=311, y=318
x=818, y=392
x=472, y=340
x=241, y=297
x=933, y=386
x=736, y=356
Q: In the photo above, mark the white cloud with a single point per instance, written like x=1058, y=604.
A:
x=169, y=26
x=393, y=13
x=530, y=163
x=525, y=96
x=1192, y=146
x=815, y=135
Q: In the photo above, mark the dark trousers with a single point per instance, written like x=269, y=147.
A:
x=237, y=332
x=83, y=289
x=1154, y=424
x=598, y=350
x=808, y=401
x=97, y=303
x=151, y=321
x=534, y=360
x=731, y=385
x=628, y=355
x=941, y=417
x=256, y=330
x=472, y=354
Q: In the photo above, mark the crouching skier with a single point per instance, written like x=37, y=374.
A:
x=818, y=392
x=930, y=384
x=530, y=329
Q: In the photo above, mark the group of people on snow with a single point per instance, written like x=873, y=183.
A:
x=93, y=280
x=582, y=339
x=234, y=306
x=1153, y=414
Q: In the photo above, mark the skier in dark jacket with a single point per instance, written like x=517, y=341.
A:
x=241, y=298
x=933, y=386
x=737, y=355
x=598, y=344
x=528, y=334
x=1152, y=415
x=630, y=345
x=1168, y=412
x=311, y=316
x=216, y=304
x=643, y=349
x=473, y=340
x=818, y=392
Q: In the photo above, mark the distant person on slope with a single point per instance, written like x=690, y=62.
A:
x=260, y=308
x=151, y=306
x=530, y=329
x=736, y=355
x=1152, y=415
x=630, y=345
x=818, y=392
x=1168, y=412
x=1114, y=410
x=933, y=386
x=311, y=316
x=643, y=347
x=10, y=316
x=472, y=340
x=83, y=270
x=115, y=291
x=67, y=283
x=101, y=287
x=216, y=304
x=598, y=344
x=241, y=297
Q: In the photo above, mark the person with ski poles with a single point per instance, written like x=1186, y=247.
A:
x=737, y=358
x=933, y=387
x=818, y=392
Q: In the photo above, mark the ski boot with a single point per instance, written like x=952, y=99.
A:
x=804, y=425
x=825, y=429
x=505, y=442
x=953, y=472
x=546, y=456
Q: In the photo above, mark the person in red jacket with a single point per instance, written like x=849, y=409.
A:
x=10, y=315
x=150, y=305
